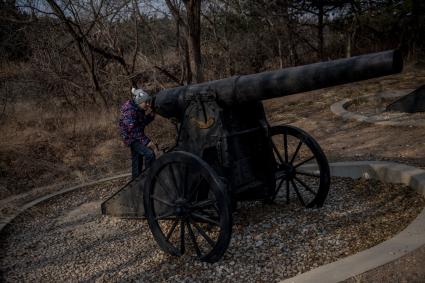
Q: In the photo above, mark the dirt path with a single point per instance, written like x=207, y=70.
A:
x=352, y=140
x=409, y=269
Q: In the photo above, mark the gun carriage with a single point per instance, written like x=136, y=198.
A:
x=227, y=152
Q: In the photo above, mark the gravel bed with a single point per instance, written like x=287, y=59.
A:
x=66, y=239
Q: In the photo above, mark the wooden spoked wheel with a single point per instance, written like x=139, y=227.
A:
x=302, y=170
x=187, y=207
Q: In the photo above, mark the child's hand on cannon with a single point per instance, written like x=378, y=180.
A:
x=148, y=110
x=155, y=148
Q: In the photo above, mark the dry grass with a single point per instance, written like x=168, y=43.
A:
x=45, y=144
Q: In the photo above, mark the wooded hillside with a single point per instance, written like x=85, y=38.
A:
x=66, y=66
x=91, y=52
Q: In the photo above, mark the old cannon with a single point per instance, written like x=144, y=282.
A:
x=226, y=152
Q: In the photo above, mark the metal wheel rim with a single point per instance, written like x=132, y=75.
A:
x=185, y=213
x=288, y=173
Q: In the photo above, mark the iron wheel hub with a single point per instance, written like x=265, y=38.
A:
x=182, y=208
x=288, y=170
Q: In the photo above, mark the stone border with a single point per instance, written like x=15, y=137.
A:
x=6, y=221
x=404, y=242
x=340, y=109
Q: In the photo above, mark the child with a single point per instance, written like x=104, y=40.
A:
x=135, y=115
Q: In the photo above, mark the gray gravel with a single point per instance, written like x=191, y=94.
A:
x=66, y=239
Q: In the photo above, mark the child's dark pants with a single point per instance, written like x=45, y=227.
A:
x=138, y=151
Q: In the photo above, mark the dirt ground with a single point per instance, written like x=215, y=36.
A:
x=37, y=148
x=352, y=140
x=43, y=145
x=407, y=269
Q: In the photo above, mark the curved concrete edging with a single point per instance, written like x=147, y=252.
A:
x=404, y=242
x=340, y=109
x=6, y=221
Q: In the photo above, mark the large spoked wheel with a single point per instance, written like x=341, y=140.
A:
x=187, y=207
x=302, y=170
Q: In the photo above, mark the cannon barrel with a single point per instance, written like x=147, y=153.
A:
x=265, y=85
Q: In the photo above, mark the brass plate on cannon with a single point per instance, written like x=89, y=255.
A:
x=203, y=124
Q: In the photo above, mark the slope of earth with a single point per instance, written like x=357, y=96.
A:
x=42, y=145
x=352, y=140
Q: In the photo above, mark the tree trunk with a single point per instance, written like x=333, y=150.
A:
x=348, y=47
x=320, y=29
x=279, y=47
x=193, y=10
x=189, y=74
x=183, y=53
x=292, y=52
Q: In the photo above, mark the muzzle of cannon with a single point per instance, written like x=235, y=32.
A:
x=226, y=152
x=256, y=87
